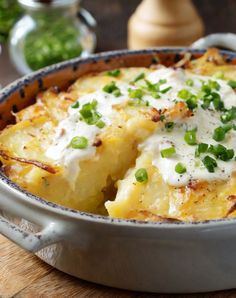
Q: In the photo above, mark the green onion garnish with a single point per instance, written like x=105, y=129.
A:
x=191, y=103
x=79, y=143
x=90, y=115
x=189, y=83
x=184, y=94
x=214, y=85
x=100, y=124
x=221, y=152
x=191, y=99
x=232, y=84
x=163, y=91
x=139, y=77
x=168, y=152
x=219, y=134
x=190, y=137
x=112, y=89
x=201, y=148
x=228, y=115
x=180, y=168
x=210, y=163
x=114, y=73
x=169, y=126
x=141, y=175
x=75, y=105
x=217, y=102
x=136, y=93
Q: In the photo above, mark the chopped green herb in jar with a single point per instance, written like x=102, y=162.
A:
x=141, y=175
x=52, y=40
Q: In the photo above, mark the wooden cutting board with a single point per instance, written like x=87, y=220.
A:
x=23, y=275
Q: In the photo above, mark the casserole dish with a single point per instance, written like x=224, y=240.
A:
x=134, y=255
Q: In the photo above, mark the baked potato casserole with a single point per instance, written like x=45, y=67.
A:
x=153, y=143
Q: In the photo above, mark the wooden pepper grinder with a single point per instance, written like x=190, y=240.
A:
x=164, y=23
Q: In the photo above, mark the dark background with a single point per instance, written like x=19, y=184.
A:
x=112, y=17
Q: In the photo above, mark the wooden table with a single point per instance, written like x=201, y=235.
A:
x=21, y=273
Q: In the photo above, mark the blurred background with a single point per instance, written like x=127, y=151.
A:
x=112, y=17
x=35, y=32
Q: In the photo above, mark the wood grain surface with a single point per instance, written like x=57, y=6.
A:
x=23, y=275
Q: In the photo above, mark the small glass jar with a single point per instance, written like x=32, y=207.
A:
x=50, y=31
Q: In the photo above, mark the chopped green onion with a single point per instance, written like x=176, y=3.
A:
x=75, y=105
x=100, y=124
x=116, y=93
x=206, y=101
x=221, y=152
x=191, y=99
x=232, y=84
x=217, y=102
x=155, y=87
x=191, y=103
x=169, y=126
x=139, y=77
x=89, y=114
x=206, y=88
x=180, y=168
x=168, y=152
x=79, y=143
x=141, y=175
x=228, y=115
x=219, y=134
x=210, y=163
x=214, y=85
x=112, y=89
x=114, y=73
x=136, y=93
x=201, y=148
x=190, y=137
x=166, y=90
x=162, y=117
x=184, y=94
x=189, y=83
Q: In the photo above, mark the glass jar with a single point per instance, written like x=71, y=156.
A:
x=50, y=31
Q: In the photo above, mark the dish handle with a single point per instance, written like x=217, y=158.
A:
x=32, y=242
x=16, y=205
x=218, y=40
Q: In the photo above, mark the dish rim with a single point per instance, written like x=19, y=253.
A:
x=76, y=214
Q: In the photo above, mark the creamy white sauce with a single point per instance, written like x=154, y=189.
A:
x=206, y=121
